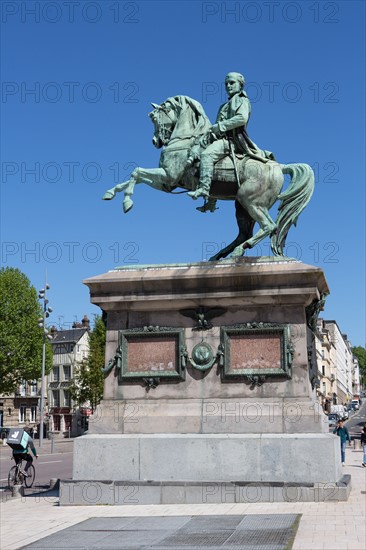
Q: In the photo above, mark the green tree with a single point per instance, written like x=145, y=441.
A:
x=21, y=339
x=360, y=353
x=88, y=380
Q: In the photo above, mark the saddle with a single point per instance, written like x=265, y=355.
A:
x=224, y=169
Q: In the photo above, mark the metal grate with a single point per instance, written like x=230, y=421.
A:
x=249, y=532
x=193, y=540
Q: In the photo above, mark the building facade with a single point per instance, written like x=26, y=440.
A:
x=62, y=416
x=21, y=409
x=325, y=352
x=338, y=369
x=70, y=347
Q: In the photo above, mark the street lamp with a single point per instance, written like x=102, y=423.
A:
x=41, y=323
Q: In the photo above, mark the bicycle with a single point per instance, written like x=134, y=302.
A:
x=16, y=476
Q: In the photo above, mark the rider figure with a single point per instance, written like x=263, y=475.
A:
x=20, y=455
x=231, y=122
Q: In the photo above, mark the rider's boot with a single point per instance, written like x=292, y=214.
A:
x=206, y=173
x=209, y=206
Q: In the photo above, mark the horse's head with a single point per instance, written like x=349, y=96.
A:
x=179, y=117
x=164, y=118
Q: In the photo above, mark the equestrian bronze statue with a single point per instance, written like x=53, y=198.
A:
x=220, y=162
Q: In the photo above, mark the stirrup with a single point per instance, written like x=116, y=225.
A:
x=208, y=206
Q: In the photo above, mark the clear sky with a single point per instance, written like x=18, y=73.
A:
x=78, y=79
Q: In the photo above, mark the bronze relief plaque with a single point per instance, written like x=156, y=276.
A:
x=258, y=349
x=152, y=352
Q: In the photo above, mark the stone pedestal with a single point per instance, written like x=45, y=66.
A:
x=210, y=381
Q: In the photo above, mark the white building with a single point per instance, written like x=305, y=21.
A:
x=356, y=382
x=325, y=354
x=343, y=362
x=70, y=347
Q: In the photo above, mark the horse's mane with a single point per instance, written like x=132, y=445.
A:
x=192, y=119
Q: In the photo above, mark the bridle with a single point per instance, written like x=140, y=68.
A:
x=164, y=132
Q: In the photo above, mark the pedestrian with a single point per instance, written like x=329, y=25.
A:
x=363, y=442
x=343, y=434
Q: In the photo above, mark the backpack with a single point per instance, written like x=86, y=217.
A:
x=17, y=439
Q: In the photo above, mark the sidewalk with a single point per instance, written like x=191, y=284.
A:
x=323, y=525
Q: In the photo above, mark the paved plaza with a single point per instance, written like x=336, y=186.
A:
x=261, y=526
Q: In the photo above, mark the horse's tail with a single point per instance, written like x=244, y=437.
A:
x=293, y=202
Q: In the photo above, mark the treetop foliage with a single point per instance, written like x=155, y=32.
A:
x=21, y=339
x=88, y=380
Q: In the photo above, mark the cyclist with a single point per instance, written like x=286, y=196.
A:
x=24, y=454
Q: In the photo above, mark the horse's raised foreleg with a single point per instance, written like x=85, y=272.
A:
x=111, y=193
x=154, y=177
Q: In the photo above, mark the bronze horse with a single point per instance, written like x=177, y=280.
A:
x=180, y=123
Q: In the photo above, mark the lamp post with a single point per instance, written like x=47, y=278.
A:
x=41, y=323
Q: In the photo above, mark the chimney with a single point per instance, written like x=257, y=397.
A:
x=85, y=322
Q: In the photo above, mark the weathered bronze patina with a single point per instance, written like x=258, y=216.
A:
x=221, y=162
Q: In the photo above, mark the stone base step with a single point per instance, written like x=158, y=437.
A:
x=93, y=493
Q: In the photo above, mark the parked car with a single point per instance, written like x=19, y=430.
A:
x=355, y=404
x=333, y=419
x=341, y=410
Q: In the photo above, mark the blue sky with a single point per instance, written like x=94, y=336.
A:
x=78, y=79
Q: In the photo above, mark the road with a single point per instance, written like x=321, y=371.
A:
x=357, y=421
x=57, y=464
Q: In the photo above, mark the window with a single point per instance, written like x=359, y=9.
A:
x=22, y=413
x=33, y=413
x=67, y=372
x=56, y=374
x=67, y=399
x=33, y=387
x=56, y=398
x=323, y=370
x=23, y=388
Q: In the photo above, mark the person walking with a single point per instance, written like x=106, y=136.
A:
x=343, y=434
x=363, y=443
